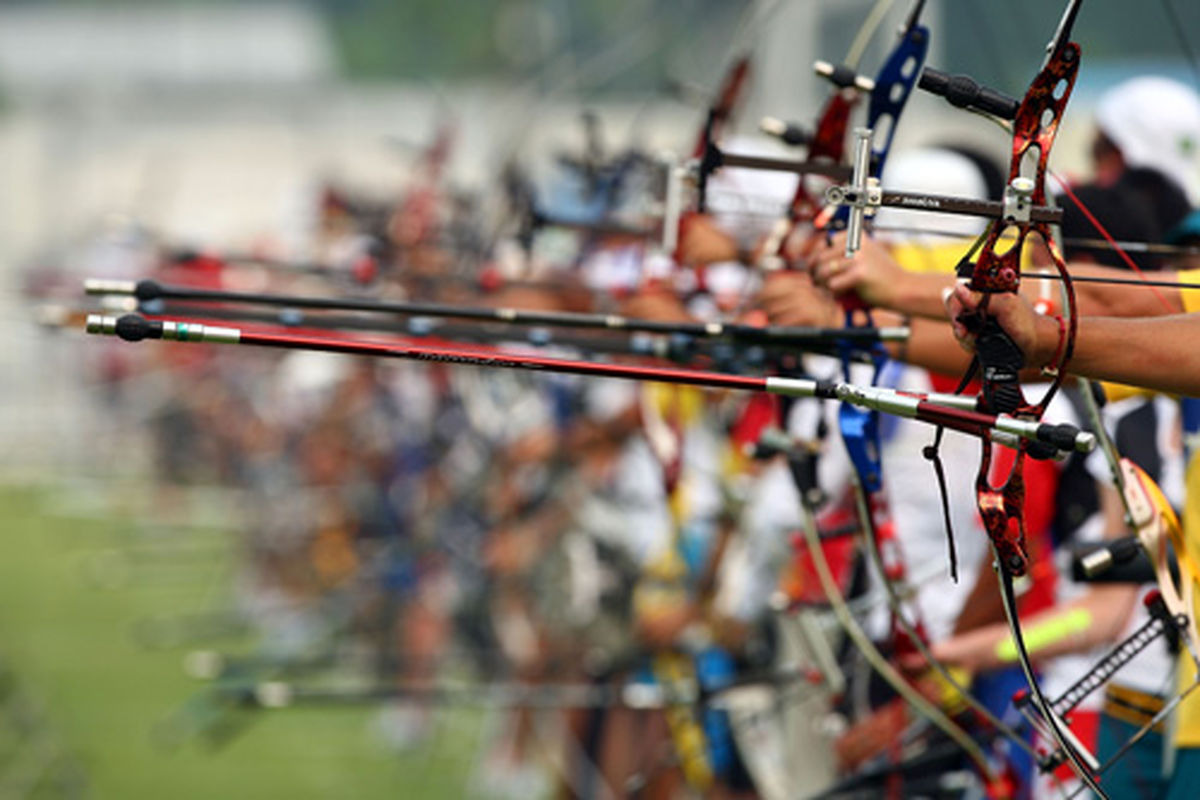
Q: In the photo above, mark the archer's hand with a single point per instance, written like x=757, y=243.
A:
x=789, y=298
x=1036, y=335
x=701, y=241
x=871, y=273
x=658, y=304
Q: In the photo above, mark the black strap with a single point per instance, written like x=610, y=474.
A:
x=933, y=456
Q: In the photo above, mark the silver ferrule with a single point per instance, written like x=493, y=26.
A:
x=792, y=387
x=195, y=332
x=1016, y=427
x=1085, y=441
x=879, y=399
x=101, y=324
x=126, y=304
x=1096, y=562
x=106, y=286
x=960, y=401
x=895, y=334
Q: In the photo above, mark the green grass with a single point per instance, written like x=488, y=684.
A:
x=102, y=694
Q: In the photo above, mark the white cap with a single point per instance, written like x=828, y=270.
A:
x=1155, y=122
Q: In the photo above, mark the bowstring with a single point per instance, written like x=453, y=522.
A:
x=1065, y=185
x=1108, y=237
x=867, y=32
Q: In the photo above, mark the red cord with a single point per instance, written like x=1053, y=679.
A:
x=1111, y=241
x=1052, y=368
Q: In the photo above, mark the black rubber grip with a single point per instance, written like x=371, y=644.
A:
x=842, y=76
x=147, y=290
x=1001, y=361
x=963, y=92
x=794, y=135
x=1062, y=436
x=133, y=328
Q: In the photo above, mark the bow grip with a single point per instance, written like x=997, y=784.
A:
x=962, y=91
x=1001, y=362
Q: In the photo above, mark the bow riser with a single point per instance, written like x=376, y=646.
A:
x=1001, y=509
x=721, y=110
x=1035, y=128
x=828, y=144
x=894, y=85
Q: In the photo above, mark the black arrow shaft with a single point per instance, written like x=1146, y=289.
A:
x=146, y=291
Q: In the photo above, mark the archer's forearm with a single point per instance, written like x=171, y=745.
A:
x=921, y=294
x=1093, y=619
x=931, y=345
x=1122, y=300
x=1155, y=353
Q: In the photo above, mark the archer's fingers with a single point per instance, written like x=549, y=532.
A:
x=959, y=302
x=845, y=276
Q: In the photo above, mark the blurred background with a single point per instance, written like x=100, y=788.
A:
x=133, y=556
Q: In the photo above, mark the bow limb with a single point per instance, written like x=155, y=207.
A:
x=1158, y=531
x=916, y=637
x=892, y=88
x=725, y=102
x=827, y=141
x=876, y=659
x=1153, y=521
x=719, y=113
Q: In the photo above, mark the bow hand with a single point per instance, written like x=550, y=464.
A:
x=1017, y=329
